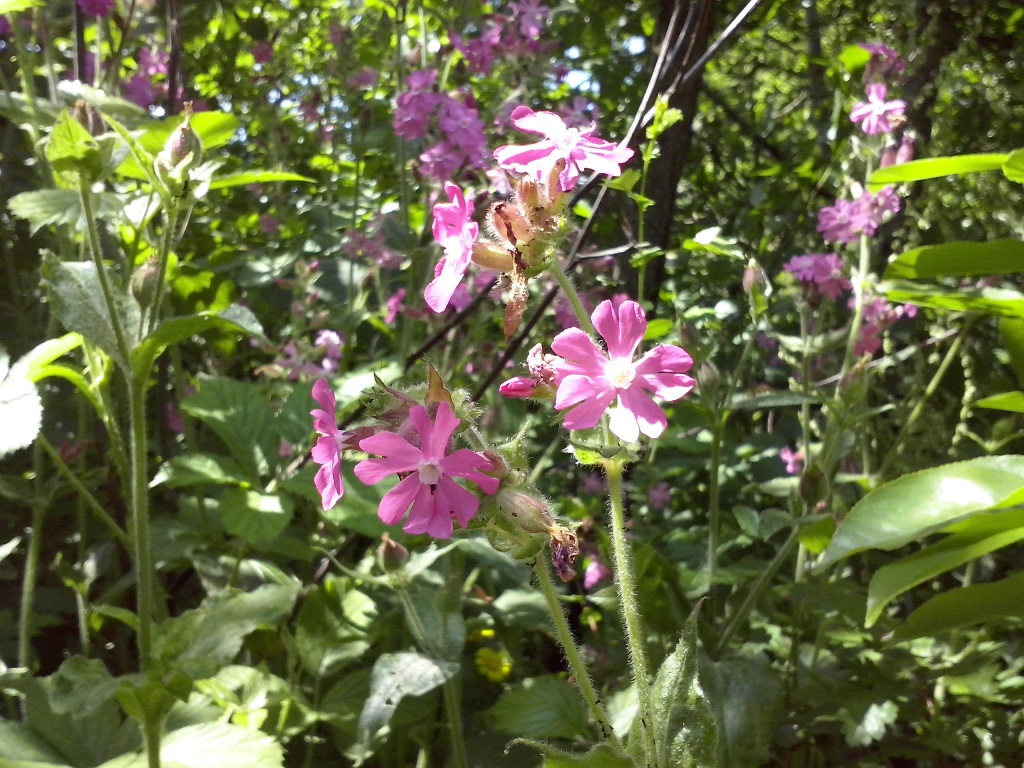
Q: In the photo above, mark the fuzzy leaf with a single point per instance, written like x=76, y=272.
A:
x=395, y=676
x=544, y=707
x=257, y=518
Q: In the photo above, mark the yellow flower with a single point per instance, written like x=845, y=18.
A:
x=494, y=663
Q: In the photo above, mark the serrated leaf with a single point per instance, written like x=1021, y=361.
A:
x=77, y=299
x=256, y=177
x=959, y=259
x=240, y=415
x=917, y=505
x=332, y=626
x=965, y=607
x=257, y=518
x=395, y=676
x=21, y=409
x=892, y=580
x=80, y=686
x=934, y=167
x=72, y=151
x=544, y=707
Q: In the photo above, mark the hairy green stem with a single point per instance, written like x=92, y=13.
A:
x=570, y=293
x=84, y=493
x=630, y=608
x=571, y=650
x=140, y=521
x=933, y=385
x=166, y=245
x=28, y=583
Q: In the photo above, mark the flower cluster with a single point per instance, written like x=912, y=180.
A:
x=822, y=272
x=98, y=9
x=878, y=315
x=846, y=220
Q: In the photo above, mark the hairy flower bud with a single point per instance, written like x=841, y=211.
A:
x=510, y=223
x=89, y=117
x=391, y=556
x=182, y=152
x=490, y=256
x=524, y=511
x=145, y=281
x=556, y=197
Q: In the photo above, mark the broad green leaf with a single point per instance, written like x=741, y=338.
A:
x=16, y=6
x=21, y=409
x=934, y=167
x=45, y=207
x=395, y=676
x=746, y=697
x=601, y=756
x=72, y=151
x=1013, y=168
x=854, y=58
x=437, y=626
x=46, y=353
x=332, y=626
x=80, y=686
x=685, y=733
x=256, y=177
x=234, y=319
x=959, y=259
x=210, y=745
x=76, y=295
x=892, y=580
x=240, y=414
x=1011, y=332
x=21, y=745
x=544, y=707
x=200, y=469
x=917, y=505
x=993, y=301
x=871, y=725
x=1007, y=401
x=958, y=608
x=257, y=518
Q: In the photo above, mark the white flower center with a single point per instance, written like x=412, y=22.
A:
x=429, y=473
x=620, y=373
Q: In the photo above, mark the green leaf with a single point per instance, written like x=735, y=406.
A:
x=21, y=409
x=544, y=707
x=200, y=469
x=45, y=207
x=332, y=626
x=934, y=167
x=234, y=319
x=601, y=756
x=993, y=301
x=685, y=733
x=854, y=58
x=241, y=416
x=1013, y=168
x=746, y=696
x=210, y=745
x=256, y=177
x=40, y=358
x=72, y=151
x=437, y=626
x=16, y=6
x=772, y=400
x=890, y=581
x=959, y=608
x=959, y=259
x=21, y=745
x=257, y=518
x=917, y=505
x=77, y=299
x=395, y=676
x=1011, y=332
x=1007, y=401
x=80, y=686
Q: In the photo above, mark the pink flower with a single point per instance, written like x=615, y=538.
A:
x=394, y=306
x=456, y=234
x=97, y=8
x=878, y=208
x=269, y=224
x=843, y=222
x=822, y=270
x=5, y=26
x=263, y=52
x=595, y=572
x=327, y=451
x=793, y=459
x=876, y=115
x=138, y=89
x=659, y=496
x=592, y=380
x=885, y=62
x=530, y=14
x=428, y=491
x=577, y=147
x=520, y=387
x=153, y=62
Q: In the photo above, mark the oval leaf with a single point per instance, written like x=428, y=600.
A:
x=965, y=607
x=916, y=505
x=959, y=259
x=934, y=167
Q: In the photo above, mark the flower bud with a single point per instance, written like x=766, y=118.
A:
x=813, y=484
x=182, y=152
x=754, y=278
x=888, y=158
x=524, y=511
x=906, y=151
x=391, y=556
x=490, y=256
x=519, y=387
x=510, y=223
x=89, y=118
x=145, y=281
x=556, y=197
x=708, y=379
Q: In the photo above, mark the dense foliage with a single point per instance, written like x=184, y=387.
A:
x=333, y=331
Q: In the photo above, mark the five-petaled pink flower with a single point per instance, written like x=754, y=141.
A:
x=456, y=234
x=876, y=115
x=428, y=491
x=327, y=451
x=591, y=380
x=576, y=146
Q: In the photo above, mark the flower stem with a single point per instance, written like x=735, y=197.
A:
x=714, y=506
x=630, y=609
x=140, y=521
x=572, y=652
x=451, y=705
x=570, y=293
x=28, y=579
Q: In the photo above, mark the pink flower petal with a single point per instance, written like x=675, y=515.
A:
x=435, y=438
x=396, y=501
x=453, y=499
x=589, y=412
x=576, y=388
x=424, y=517
x=575, y=346
x=647, y=413
x=622, y=423
x=547, y=123
x=329, y=484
